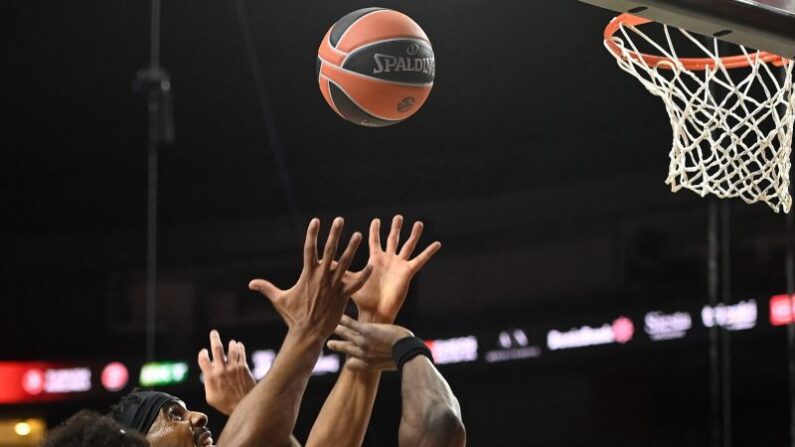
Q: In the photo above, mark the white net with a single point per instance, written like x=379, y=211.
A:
x=732, y=128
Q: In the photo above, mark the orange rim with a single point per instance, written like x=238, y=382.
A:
x=690, y=63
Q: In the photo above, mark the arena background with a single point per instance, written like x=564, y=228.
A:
x=536, y=161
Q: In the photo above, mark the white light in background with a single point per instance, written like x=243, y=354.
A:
x=263, y=360
x=67, y=380
x=505, y=340
x=454, y=350
x=661, y=326
x=514, y=344
x=579, y=337
x=520, y=337
x=326, y=364
x=513, y=354
x=734, y=317
x=621, y=330
x=22, y=428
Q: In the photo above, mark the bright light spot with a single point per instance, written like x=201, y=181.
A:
x=115, y=376
x=33, y=381
x=68, y=380
x=326, y=364
x=661, y=326
x=163, y=373
x=22, y=428
x=734, y=317
x=623, y=329
x=454, y=350
x=262, y=362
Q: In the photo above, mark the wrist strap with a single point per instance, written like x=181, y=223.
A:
x=407, y=348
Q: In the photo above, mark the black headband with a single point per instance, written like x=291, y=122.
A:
x=140, y=414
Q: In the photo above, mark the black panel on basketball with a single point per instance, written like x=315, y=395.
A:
x=344, y=23
x=318, y=63
x=405, y=60
x=351, y=111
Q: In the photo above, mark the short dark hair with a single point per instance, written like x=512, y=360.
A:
x=89, y=429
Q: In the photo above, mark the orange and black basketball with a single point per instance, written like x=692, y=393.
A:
x=375, y=67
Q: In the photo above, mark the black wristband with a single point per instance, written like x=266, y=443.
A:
x=407, y=348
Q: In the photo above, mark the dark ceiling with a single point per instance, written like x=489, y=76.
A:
x=525, y=96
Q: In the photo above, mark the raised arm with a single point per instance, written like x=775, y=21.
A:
x=311, y=308
x=431, y=414
x=379, y=300
x=227, y=377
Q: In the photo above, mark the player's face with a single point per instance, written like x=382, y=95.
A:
x=176, y=426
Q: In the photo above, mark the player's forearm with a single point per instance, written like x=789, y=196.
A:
x=353, y=396
x=431, y=413
x=267, y=415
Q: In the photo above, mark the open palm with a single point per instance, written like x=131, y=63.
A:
x=383, y=294
x=316, y=302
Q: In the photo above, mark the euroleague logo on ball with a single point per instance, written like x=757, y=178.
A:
x=405, y=104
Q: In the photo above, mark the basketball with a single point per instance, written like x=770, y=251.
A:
x=375, y=67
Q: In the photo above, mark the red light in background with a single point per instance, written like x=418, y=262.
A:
x=623, y=329
x=33, y=381
x=115, y=376
x=781, y=310
x=429, y=344
x=22, y=382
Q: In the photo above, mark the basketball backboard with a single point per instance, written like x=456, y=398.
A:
x=767, y=25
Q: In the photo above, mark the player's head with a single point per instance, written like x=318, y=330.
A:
x=89, y=429
x=163, y=419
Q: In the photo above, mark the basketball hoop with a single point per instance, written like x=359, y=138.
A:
x=732, y=116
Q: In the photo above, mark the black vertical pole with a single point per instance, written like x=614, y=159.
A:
x=151, y=253
x=724, y=332
x=789, y=266
x=155, y=82
x=712, y=292
x=719, y=265
x=790, y=274
x=151, y=202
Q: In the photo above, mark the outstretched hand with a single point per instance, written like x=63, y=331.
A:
x=314, y=305
x=382, y=296
x=227, y=378
x=367, y=345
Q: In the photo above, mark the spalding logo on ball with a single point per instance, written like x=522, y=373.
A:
x=375, y=67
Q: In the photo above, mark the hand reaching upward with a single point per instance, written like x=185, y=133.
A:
x=227, y=378
x=383, y=294
x=314, y=305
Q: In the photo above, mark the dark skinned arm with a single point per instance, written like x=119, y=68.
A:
x=431, y=414
x=379, y=300
x=311, y=308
